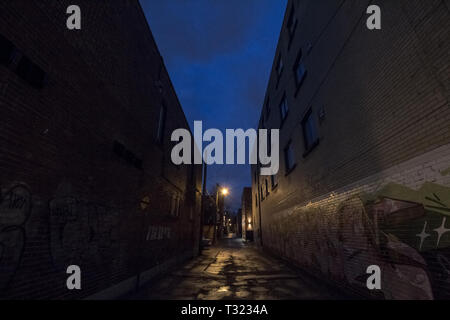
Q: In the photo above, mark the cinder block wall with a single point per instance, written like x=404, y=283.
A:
x=380, y=173
x=83, y=179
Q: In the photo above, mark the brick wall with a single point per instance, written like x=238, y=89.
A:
x=83, y=179
x=379, y=102
x=246, y=204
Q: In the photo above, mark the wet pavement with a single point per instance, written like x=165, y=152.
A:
x=235, y=270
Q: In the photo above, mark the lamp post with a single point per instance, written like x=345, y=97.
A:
x=220, y=192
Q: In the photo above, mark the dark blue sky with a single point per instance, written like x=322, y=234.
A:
x=219, y=54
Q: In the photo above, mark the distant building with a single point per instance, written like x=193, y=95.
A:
x=364, y=146
x=239, y=222
x=86, y=177
x=247, y=217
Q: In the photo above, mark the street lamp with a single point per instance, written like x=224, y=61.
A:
x=219, y=205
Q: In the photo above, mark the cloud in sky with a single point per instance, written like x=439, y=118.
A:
x=219, y=54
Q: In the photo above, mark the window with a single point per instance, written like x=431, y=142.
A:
x=284, y=108
x=274, y=180
x=31, y=73
x=299, y=70
x=161, y=124
x=310, y=133
x=267, y=108
x=128, y=156
x=291, y=25
x=279, y=66
x=6, y=51
x=321, y=114
x=289, y=157
x=175, y=205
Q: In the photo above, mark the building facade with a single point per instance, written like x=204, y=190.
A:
x=247, y=215
x=364, y=146
x=86, y=176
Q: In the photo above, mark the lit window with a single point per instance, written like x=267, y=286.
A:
x=289, y=157
x=310, y=133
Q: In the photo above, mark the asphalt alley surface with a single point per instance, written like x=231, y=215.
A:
x=235, y=270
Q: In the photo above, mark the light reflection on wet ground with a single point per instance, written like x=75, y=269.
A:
x=235, y=270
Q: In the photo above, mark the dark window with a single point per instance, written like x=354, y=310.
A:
x=310, y=133
x=31, y=73
x=6, y=51
x=161, y=124
x=321, y=114
x=267, y=108
x=292, y=24
x=175, y=205
x=128, y=156
x=299, y=70
x=284, y=108
x=274, y=179
x=289, y=157
x=279, y=66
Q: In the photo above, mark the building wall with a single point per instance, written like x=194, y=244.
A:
x=83, y=178
x=246, y=204
x=379, y=173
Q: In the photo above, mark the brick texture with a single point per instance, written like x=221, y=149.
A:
x=384, y=139
x=68, y=196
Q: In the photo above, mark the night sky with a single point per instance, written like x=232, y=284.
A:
x=219, y=54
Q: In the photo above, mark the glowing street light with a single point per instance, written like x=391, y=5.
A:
x=225, y=191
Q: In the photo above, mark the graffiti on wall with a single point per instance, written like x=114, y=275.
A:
x=15, y=209
x=404, y=231
x=81, y=230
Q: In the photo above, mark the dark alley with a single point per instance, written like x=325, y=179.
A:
x=235, y=270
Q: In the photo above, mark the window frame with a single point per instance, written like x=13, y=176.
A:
x=286, y=113
x=274, y=181
x=288, y=168
x=299, y=62
x=291, y=26
x=161, y=124
x=309, y=146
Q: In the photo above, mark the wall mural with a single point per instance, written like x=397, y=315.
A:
x=404, y=231
x=79, y=232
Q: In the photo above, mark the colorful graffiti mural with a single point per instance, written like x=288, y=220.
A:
x=404, y=231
